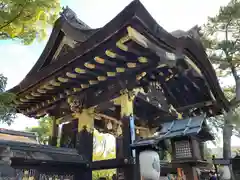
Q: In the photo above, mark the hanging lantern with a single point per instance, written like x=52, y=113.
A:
x=75, y=104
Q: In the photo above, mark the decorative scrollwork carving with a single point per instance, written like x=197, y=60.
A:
x=131, y=95
x=76, y=104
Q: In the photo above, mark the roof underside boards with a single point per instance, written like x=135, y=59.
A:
x=132, y=50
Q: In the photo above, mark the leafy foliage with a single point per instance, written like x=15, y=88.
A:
x=222, y=39
x=27, y=20
x=43, y=129
x=24, y=20
x=7, y=109
x=207, y=152
x=102, y=152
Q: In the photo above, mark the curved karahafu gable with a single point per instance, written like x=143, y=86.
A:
x=68, y=32
x=131, y=50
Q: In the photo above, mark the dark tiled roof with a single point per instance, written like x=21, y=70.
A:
x=19, y=136
x=17, y=133
x=195, y=126
x=8, y=137
x=42, y=153
x=185, y=127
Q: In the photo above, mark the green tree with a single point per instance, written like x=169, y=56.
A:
x=43, y=129
x=7, y=109
x=222, y=39
x=23, y=20
x=27, y=20
x=101, y=152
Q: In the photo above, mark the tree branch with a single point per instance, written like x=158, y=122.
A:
x=216, y=60
x=15, y=18
x=2, y=5
x=236, y=41
x=104, y=147
x=4, y=35
x=229, y=58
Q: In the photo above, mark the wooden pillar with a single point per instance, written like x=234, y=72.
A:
x=84, y=140
x=119, y=154
x=123, y=142
x=190, y=172
x=54, y=137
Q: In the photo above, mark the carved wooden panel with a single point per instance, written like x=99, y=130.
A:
x=31, y=174
x=65, y=49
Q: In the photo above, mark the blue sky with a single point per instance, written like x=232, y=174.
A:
x=16, y=59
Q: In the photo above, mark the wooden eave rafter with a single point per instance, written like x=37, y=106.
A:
x=155, y=43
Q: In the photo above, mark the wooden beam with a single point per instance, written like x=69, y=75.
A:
x=197, y=105
x=104, y=106
x=98, y=94
x=111, y=164
x=219, y=161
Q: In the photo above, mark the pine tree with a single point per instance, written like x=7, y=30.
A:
x=222, y=40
